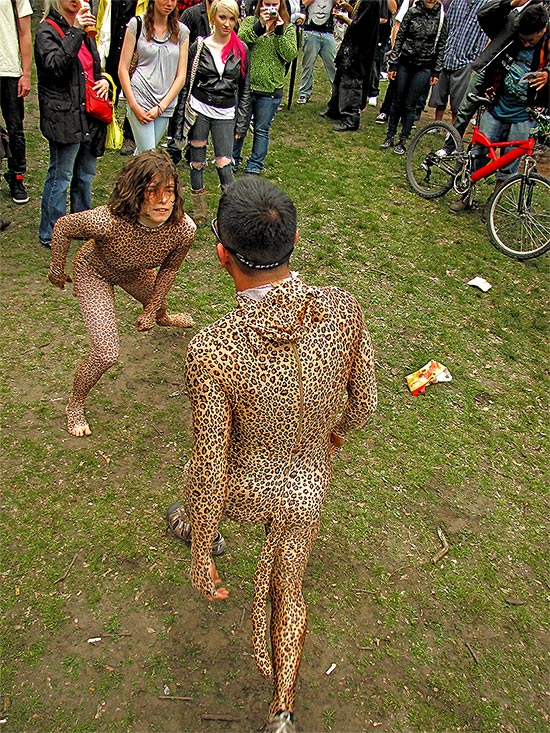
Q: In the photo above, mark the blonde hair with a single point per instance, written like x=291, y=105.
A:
x=229, y=5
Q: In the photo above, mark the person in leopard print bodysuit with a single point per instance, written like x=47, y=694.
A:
x=275, y=387
x=143, y=227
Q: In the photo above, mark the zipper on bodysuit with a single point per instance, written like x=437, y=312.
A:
x=301, y=396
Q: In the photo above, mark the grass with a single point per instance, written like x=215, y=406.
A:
x=460, y=645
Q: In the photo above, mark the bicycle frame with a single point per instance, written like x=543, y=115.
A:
x=519, y=149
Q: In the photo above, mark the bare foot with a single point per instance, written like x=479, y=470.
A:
x=76, y=422
x=178, y=320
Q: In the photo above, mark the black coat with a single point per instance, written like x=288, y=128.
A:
x=196, y=19
x=356, y=53
x=62, y=87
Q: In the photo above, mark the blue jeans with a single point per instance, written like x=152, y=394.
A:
x=148, y=136
x=316, y=44
x=410, y=84
x=498, y=131
x=263, y=110
x=73, y=165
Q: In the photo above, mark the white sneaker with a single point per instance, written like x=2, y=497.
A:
x=373, y=101
x=302, y=99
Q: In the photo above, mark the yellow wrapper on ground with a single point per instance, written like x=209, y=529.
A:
x=430, y=373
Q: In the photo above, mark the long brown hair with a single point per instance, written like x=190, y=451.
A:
x=283, y=11
x=172, y=21
x=152, y=166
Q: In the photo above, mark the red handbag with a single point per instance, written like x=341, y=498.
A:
x=101, y=109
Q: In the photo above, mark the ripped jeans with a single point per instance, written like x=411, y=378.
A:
x=223, y=135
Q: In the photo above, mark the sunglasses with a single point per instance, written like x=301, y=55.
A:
x=238, y=255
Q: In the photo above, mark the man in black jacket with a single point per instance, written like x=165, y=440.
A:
x=196, y=19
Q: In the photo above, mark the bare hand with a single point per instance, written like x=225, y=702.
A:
x=101, y=87
x=59, y=278
x=433, y=80
x=392, y=75
x=141, y=115
x=84, y=18
x=146, y=321
x=221, y=593
x=539, y=81
x=24, y=85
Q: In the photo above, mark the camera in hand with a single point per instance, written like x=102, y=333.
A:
x=273, y=12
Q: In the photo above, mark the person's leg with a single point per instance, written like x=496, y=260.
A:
x=467, y=107
x=440, y=94
x=96, y=299
x=222, y=141
x=54, y=195
x=160, y=126
x=237, y=154
x=84, y=171
x=198, y=138
x=400, y=85
x=333, y=107
x=144, y=135
x=351, y=89
x=289, y=613
x=264, y=113
x=418, y=79
x=328, y=52
x=142, y=288
x=312, y=46
x=458, y=84
x=372, y=83
x=13, y=111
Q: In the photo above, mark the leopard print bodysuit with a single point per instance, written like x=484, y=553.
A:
x=268, y=383
x=116, y=253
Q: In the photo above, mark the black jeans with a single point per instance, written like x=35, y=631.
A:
x=345, y=101
x=409, y=85
x=13, y=111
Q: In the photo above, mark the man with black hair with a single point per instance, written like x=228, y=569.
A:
x=275, y=387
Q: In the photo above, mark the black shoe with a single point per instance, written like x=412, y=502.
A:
x=17, y=187
x=326, y=114
x=381, y=119
x=128, y=147
x=388, y=143
x=400, y=148
x=340, y=127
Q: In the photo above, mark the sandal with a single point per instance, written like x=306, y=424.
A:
x=176, y=519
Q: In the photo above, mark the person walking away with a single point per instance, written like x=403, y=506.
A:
x=15, y=85
x=275, y=387
x=271, y=41
x=65, y=57
x=415, y=60
x=152, y=91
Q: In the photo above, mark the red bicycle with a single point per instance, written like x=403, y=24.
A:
x=518, y=213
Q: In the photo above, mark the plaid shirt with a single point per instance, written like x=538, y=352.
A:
x=465, y=39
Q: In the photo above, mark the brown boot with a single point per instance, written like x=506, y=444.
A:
x=200, y=207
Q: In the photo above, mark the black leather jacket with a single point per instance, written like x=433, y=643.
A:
x=232, y=88
x=62, y=87
x=415, y=43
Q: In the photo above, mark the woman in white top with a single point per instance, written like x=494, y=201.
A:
x=162, y=46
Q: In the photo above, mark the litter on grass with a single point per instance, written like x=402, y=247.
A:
x=430, y=373
x=481, y=283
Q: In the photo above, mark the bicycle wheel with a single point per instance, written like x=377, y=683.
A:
x=434, y=158
x=518, y=217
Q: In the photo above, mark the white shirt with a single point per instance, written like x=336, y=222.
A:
x=10, y=60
